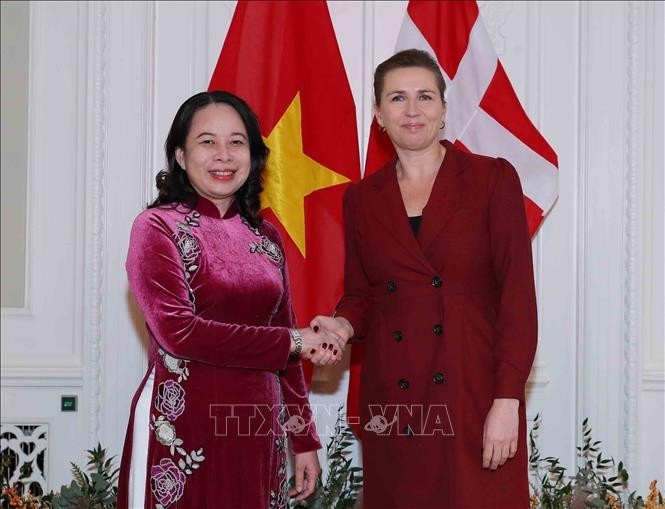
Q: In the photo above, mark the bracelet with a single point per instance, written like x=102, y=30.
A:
x=297, y=339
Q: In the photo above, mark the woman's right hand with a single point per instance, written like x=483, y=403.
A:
x=337, y=329
x=321, y=348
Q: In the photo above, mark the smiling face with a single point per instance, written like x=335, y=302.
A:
x=216, y=155
x=411, y=109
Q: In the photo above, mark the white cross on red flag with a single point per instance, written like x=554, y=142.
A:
x=484, y=115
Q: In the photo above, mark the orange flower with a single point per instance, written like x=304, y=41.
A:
x=613, y=502
x=653, y=498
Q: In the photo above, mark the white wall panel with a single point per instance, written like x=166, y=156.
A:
x=600, y=220
x=43, y=344
x=47, y=333
x=653, y=204
x=551, y=60
x=651, y=403
x=129, y=140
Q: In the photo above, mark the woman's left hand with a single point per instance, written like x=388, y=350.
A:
x=307, y=474
x=500, y=433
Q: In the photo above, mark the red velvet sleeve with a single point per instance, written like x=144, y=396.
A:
x=156, y=278
x=292, y=379
x=516, y=327
x=356, y=303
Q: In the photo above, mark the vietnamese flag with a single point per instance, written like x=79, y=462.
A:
x=283, y=59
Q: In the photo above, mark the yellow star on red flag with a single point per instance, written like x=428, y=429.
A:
x=291, y=175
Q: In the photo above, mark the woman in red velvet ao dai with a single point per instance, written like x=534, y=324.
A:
x=207, y=423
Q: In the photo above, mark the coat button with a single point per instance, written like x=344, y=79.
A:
x=392, y=286
x=436, y=282
x=437, y=329
x=403, y=384
x=438, y=378
x=407, y=431
x=397, y=335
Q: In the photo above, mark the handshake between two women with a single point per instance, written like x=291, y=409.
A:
x=323, y=342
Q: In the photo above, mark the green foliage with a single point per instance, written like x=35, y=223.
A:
x=344, y=481
x=95, y=490
x=591, y=480
x=599, y=482
x=551, y=488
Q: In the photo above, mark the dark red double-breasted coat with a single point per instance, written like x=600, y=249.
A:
x=448, y=323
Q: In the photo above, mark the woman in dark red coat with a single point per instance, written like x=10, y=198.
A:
x=439, y=288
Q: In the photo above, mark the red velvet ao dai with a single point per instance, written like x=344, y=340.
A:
x=215, y=297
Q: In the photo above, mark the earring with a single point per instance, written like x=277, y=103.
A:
x=443, y=124
x=383, y=128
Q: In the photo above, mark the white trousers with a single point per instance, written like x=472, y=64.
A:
x=138, y=469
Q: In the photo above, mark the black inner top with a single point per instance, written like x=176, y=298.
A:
x=415, y=223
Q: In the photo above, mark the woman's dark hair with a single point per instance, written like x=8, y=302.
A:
x=407, y=58
x=172, y=183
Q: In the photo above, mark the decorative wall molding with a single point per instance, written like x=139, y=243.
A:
x=653, y=380
x=26, y=310
x=42, y=377
x=147, y=113
x=631, y=233
x=200, y=73
x=653, y=186
x=601, y=202
x=367, y=78
x=26, y=443
x=31, y=230
x=580, y=226
x=137, y=33
x=98, y=22
x=533, y=61
x=539, y=377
